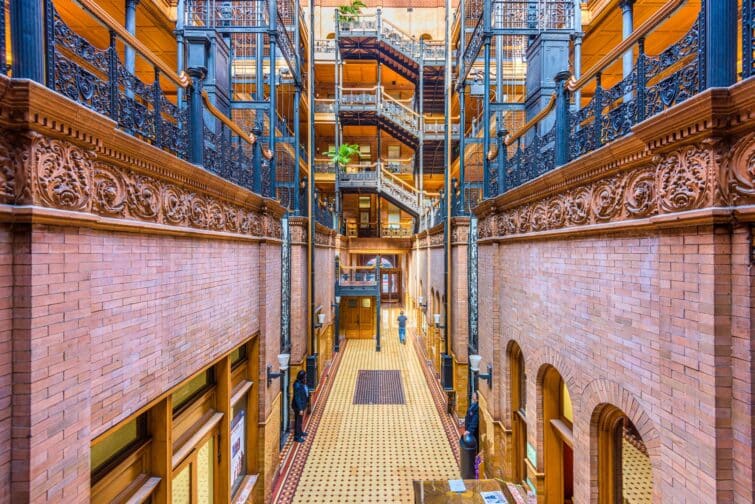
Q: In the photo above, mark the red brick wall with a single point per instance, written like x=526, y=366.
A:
x=6, y=369
x=109, y=321
x=658, y=324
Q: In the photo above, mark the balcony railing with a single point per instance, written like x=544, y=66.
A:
x=655, y=83
x=149, y=109
x=512, y=15
x=374, y=25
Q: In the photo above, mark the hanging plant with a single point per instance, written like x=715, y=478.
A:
x=348, y=13
x=343, y=156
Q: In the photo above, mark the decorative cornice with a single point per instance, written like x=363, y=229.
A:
x=57, y=154
x=694, y=156
x=694, y=182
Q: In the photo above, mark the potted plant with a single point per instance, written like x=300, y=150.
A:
x=343, y=156
x=348, y=13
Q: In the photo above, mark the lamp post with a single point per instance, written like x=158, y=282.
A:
x=336, y=334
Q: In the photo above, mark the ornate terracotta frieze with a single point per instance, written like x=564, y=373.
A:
x=710, y=173
x=53, y=173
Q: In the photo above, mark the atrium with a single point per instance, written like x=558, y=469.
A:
x=397, y=251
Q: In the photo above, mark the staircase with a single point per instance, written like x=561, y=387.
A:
x=372, y=106
x=370, y=37
x=384, y=184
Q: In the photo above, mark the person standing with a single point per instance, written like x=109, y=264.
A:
x=299, y=404
x=472, y=420
x=402, y=327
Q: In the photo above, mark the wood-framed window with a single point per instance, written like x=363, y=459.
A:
x=558, y=440
x=518, y=412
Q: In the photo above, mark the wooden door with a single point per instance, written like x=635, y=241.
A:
x=366, y=318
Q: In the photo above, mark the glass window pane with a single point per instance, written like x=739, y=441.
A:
x=566, y=410
x=238, y=443
x=117, y=443
x=182, y=486
x=204, y=473
x=184, y=394
x=238, y=355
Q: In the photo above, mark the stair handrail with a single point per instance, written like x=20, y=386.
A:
x=402, y=182
x=392, y=99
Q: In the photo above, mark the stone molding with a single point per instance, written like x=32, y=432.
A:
x=703, y=171
x=50, y=164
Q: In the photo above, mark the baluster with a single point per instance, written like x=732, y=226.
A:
x=640, y=80
x=561, y=147
x=112, y=75
x=598, y=113
x=50, y=43
x=156, y=109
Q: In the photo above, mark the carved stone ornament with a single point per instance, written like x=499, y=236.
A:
x=7, y=168
x=61, y=173
x=738, y=171
x=682, y=180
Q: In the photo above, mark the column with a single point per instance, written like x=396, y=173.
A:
x=627, y=25
x=28, y=39
x=130, y=55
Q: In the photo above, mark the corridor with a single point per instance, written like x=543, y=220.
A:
x=372, y=452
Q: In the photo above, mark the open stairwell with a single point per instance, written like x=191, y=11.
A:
x=385, y=184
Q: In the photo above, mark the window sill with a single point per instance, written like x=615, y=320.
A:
x=184, y=450
x=144, y=491
x=244, y=492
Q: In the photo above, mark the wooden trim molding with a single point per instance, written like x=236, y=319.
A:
x=185, y=449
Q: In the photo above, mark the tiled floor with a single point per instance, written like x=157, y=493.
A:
x=371, y=453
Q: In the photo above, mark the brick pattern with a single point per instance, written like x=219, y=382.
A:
x=657, y=323
x=6, y=357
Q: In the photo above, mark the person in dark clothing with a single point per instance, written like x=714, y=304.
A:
x=299, y=404
x=472, y=419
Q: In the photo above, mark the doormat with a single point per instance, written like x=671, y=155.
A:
x=379, y=387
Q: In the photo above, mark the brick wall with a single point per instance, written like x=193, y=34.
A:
x=105, y=322
x=656, y=323
x=6, y=356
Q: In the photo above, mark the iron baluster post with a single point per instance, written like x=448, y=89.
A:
x=379, y=287
x=180, y=19
x=156, y=94
x=598, y=112
x=273, y=35
x=297, y=154
x=720, y=42
x=196, y=115
x=259, y=90
x=49, y=43
x=641, y=79
x=112, y=71
x=502, y=160
x=462, y=143
x=748, y=65
x=29, y=40
x=561, y=147
x=130, y=24
x=486, y=122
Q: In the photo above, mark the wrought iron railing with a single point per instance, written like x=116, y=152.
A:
x=227, y=13
x=375, y=25
x=399, y=166
x=748, y=38
x=654, y=84
x=324, y=165
x=325, y=215
x=98, y=79
x=143, y=104
x=532, y=16
x=354, y=276
x=396, y=232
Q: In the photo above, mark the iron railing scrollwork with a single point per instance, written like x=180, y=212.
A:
x=748, y=38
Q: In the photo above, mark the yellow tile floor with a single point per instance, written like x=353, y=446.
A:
x=371, y=453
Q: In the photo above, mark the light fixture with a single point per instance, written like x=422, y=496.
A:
x=436, y=319
x=283, y=366
x=338, y=302
x=320, y=320
x=474, y=366
x=421, y=302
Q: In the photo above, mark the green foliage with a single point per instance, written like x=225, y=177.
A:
x=347, y=13
x=343, y=155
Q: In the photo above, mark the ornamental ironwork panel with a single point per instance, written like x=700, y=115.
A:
x=285, y=287
x=748, y=38
x=472, y=300
x=3, y=62
x=227, y=13
x=227, y=158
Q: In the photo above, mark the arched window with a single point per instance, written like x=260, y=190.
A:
x=558, y=441
x=518, y=380
x=624, y=470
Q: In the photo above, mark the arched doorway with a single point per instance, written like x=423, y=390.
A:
x=518, y=394
x=624, y=469
x=558, y=441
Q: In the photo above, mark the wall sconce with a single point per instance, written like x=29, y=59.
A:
x=474, y=365
x=303, y=183
x=320, y=320
x=422, y=303
x=436, y=319
x=283, y=363
x=338, y=302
